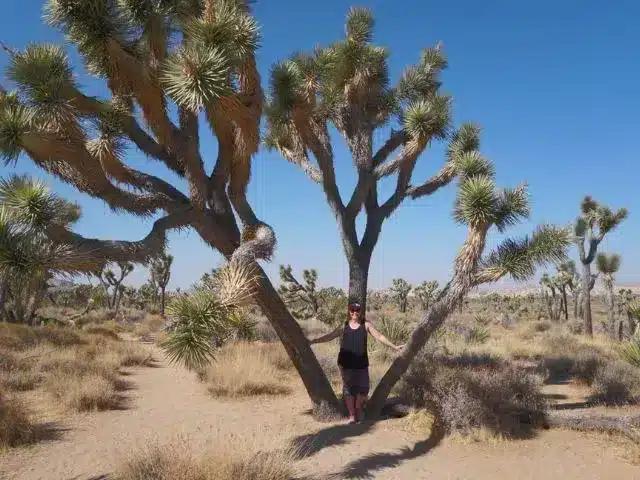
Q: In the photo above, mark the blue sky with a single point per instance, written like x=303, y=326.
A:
x=553, y=84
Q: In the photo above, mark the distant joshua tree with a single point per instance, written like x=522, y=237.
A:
x=594, y=223
x=302, y=299
x=426, y=293
x=609, y=265
x=160, y=274
x=401, y=289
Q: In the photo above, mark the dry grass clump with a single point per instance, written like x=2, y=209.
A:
x=492, y=396
x=616, y=383
x=80, y=370
x=177, y=462
x=245, y=369
x=83, y=393
x=16, y=426
x=102, y=331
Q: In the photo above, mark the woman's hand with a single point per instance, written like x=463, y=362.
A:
x=399, y=348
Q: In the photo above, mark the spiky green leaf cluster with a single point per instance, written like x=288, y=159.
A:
x=597, y=216
x=608, y=264
x=197, y=76
x=427, y=119
x=519, y=258
x=235, y=32
x=15, y=121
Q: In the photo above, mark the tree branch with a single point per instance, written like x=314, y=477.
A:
x=409, y=157
x=440, y=179
x=395, y=140
x=124, y=251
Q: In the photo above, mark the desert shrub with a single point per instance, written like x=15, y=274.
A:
x=557, y=366
x=177, y=462
x=504, y=400
x=265, y=332
x=482, y=319
x=396, y=329
x=616, y=383
x=102, y=331
x=244, y=369
x=83, y=392
x=477, y=334
x=20, y=380
x=575, y=326
x=586, y=364
x=541, y=326
x=22, y=337
x=16, y=426
x=133, y=355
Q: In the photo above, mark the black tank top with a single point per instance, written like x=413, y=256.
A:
x=353, y=347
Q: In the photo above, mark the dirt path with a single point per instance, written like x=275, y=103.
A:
x=167, y=401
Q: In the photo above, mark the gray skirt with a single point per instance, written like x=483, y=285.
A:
x=355, y=381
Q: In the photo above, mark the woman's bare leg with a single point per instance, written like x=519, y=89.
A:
x=359, y=402
x=350, y=401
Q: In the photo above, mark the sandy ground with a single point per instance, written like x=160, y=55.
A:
x=167, y=401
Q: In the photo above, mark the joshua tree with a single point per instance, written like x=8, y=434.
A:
x=608, y=265
x=571, y=279
x=593, y=224
x=346, y=86
x=553, y=301
x=160, y=275
x=400, y=291
x=107, y=277
x=426, y=292
x=302, y=299
x=627, y=305
x=28, y=258
x=176, y=71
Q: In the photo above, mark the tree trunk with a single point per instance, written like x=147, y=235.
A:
x=632, y=323
x=576, y=300
x=358, y=277
x=586, y=299
x=611, y=314
x=162, y=301
x=564, y=300
x=287, y=328
x=429, y=323
x=295, y=343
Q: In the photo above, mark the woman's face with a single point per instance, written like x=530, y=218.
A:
x=354, y=313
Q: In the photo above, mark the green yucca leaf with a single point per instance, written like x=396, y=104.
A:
x=464, y=140
x=513, y=205
x=196, y=77
x=630, y=351
x=476, y=201
x=424, y=119
x=234, y=32
x=519, y=258
x=42, y=72
x=608, y=264
x=608, y=220
x=580, y=227
x=286, y=85
x=15, y=121
x=359, y=27
x=433, y=59
x=473, y=164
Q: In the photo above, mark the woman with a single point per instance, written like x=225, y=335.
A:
x=353, y=359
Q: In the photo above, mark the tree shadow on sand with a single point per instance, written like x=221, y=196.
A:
x=367, y=466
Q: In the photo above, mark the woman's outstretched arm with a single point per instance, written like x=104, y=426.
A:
x=328, y=337
x=380, y=337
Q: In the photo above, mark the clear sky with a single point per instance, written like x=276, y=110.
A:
x=554, y=85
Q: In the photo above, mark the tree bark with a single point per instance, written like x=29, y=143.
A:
x=586, y=299
x=611, y=314
x=287, y=328
x=564, y=300
x=162, y=300
x=429, y=323
x=359, y=263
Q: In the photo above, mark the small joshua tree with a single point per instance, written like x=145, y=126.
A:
x=551, y=297
x=591, y=227
x=400, y=291
x=109, y=279
x=627, y=306
x=302, y=300
x=608, y=265
x=426, y=292
x=571, y=279
x=160, y=268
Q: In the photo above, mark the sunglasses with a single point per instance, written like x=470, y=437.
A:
x=354, y=308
